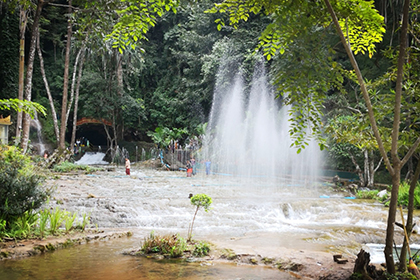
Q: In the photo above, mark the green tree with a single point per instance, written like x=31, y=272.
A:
x=363, y=28
x=199, y=200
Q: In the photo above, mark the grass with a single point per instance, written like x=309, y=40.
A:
x=42, y=223
x=173, y=246
x=67, y=166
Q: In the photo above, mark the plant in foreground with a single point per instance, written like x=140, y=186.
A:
x=170, y=245
x=43, y=219
x=56, y=219
x=201, y=249
x=68, y=220
x=199, y=200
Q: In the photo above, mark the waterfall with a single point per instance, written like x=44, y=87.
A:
x=39, y=143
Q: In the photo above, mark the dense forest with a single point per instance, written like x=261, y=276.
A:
x=167, y=79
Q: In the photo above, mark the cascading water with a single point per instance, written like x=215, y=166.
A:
x=248, y=135
x=39, y=143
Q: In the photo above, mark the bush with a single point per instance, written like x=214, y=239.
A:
x=403, y=195
x=172, y=246
x=201, y=249
x=20, y=190
x=67, y=166
x=371, y=194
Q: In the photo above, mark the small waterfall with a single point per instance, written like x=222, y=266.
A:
x=39, y=143
x=92, y=158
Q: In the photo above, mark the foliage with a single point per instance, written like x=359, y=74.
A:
x=23, y=226
x=69, y=219
x=26, y=106
x=135, y=19
x=369, y=194
x=403, y=195
x=199, y=200
x=43, y=219
x=67, y=166
x=56, y=218
x=163, y=136
x=172, y=246
x=21, y=191
x=33, y=224
x=201, y=249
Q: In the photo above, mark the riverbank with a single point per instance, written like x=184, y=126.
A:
x=299, y=264
x=11, y=249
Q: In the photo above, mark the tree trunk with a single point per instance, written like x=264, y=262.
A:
x=409, y=225
x=120, y=92
x=366, y=166
x=23, y=19
x=73, y=84
x=389, y=241
x=394, y=167
x=63, y=126
x=47, y=89
x=359, y=172
x=76, y=98
x=29, y=73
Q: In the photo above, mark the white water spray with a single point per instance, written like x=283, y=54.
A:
x=249, y=135
x=39, y=144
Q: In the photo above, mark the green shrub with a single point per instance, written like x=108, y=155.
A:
x=56, y=219
x=172, y=246
x=67, y=166
x=403, y=195
x=371, y=194
x=201, y=249
x=21, y=189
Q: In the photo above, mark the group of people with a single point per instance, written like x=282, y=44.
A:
x=81, y=142
x=191, y=167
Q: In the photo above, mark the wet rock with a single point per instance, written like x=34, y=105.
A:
x=382, y=193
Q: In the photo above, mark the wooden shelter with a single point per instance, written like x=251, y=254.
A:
x=4, y=130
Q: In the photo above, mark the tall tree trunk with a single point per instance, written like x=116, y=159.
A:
x=29, y=74
x=63, y=126
x=394, y=167
x=76, y=98
x=359, y=172
x=73, y=83
x=47, y=89
x=120, y=92
x=397, y=163
x=410, y=210
x=23, y=20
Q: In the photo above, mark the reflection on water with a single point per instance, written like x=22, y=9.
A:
x=104, y=260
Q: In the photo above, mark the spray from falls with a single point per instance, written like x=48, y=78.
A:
x=248, y=135
x=38, y=143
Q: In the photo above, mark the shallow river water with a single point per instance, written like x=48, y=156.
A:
x=250, y=215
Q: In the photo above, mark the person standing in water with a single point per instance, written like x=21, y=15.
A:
x=192, y=161
x=127, y=166
x=208, y=164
